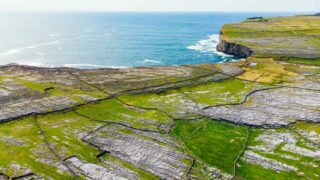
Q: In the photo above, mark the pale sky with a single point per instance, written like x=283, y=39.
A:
x=160, y=5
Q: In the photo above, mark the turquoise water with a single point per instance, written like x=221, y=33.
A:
x=94, y=40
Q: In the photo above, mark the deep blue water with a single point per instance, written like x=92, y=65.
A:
x=92, y=40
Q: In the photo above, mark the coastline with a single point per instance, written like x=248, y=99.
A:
x=240, y=119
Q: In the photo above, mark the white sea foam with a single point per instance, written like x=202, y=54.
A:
x=18, y=50
x=223, y=54
x=148, y=61
x=39, y=62
x=92, y=66
x=206, y=45
x=209, y=45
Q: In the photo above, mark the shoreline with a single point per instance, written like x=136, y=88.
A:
x=229, y=120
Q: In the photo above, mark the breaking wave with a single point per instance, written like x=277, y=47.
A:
x=209, y=45
x=148, y=61
x=82, y=66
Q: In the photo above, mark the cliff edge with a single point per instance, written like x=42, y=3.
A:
x=234, y=49
x=278, y=37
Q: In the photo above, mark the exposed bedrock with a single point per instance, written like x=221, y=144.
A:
x=234, y=49
x=271, y=108
x=253, y=158
x=151, y=152
x=4, y=176
x=109, y=170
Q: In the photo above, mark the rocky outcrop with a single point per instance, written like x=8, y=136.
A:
x=151, y=152
x=256, y=36
x=234, y=49
x=43, y=105
x=4, y=176
x=253, y=158
x=108, y=170
x=270, y=108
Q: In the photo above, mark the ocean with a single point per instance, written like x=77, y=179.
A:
x=116, y=40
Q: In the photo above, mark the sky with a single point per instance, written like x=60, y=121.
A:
x=162, y=5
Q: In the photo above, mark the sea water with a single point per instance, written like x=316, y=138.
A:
x=97, y=40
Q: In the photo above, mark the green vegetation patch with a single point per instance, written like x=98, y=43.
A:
x=22, y=147
x=253, y=171
x=266, y=144
x=225, y=92
x=315, y=62
x=65, y=131
x=143, y=174
x=216, y=143
x=184, y=101
x=173, y=102
x=256, y=172
x=55, y=89
x=115, y=111
x=310, y=131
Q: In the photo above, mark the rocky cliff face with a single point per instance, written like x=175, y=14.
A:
x=257, y=36
x=234, y=49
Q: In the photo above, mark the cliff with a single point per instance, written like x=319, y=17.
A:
x=278, y=37
x=234, y=49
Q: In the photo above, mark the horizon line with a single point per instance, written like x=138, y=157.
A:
x=107, y=11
